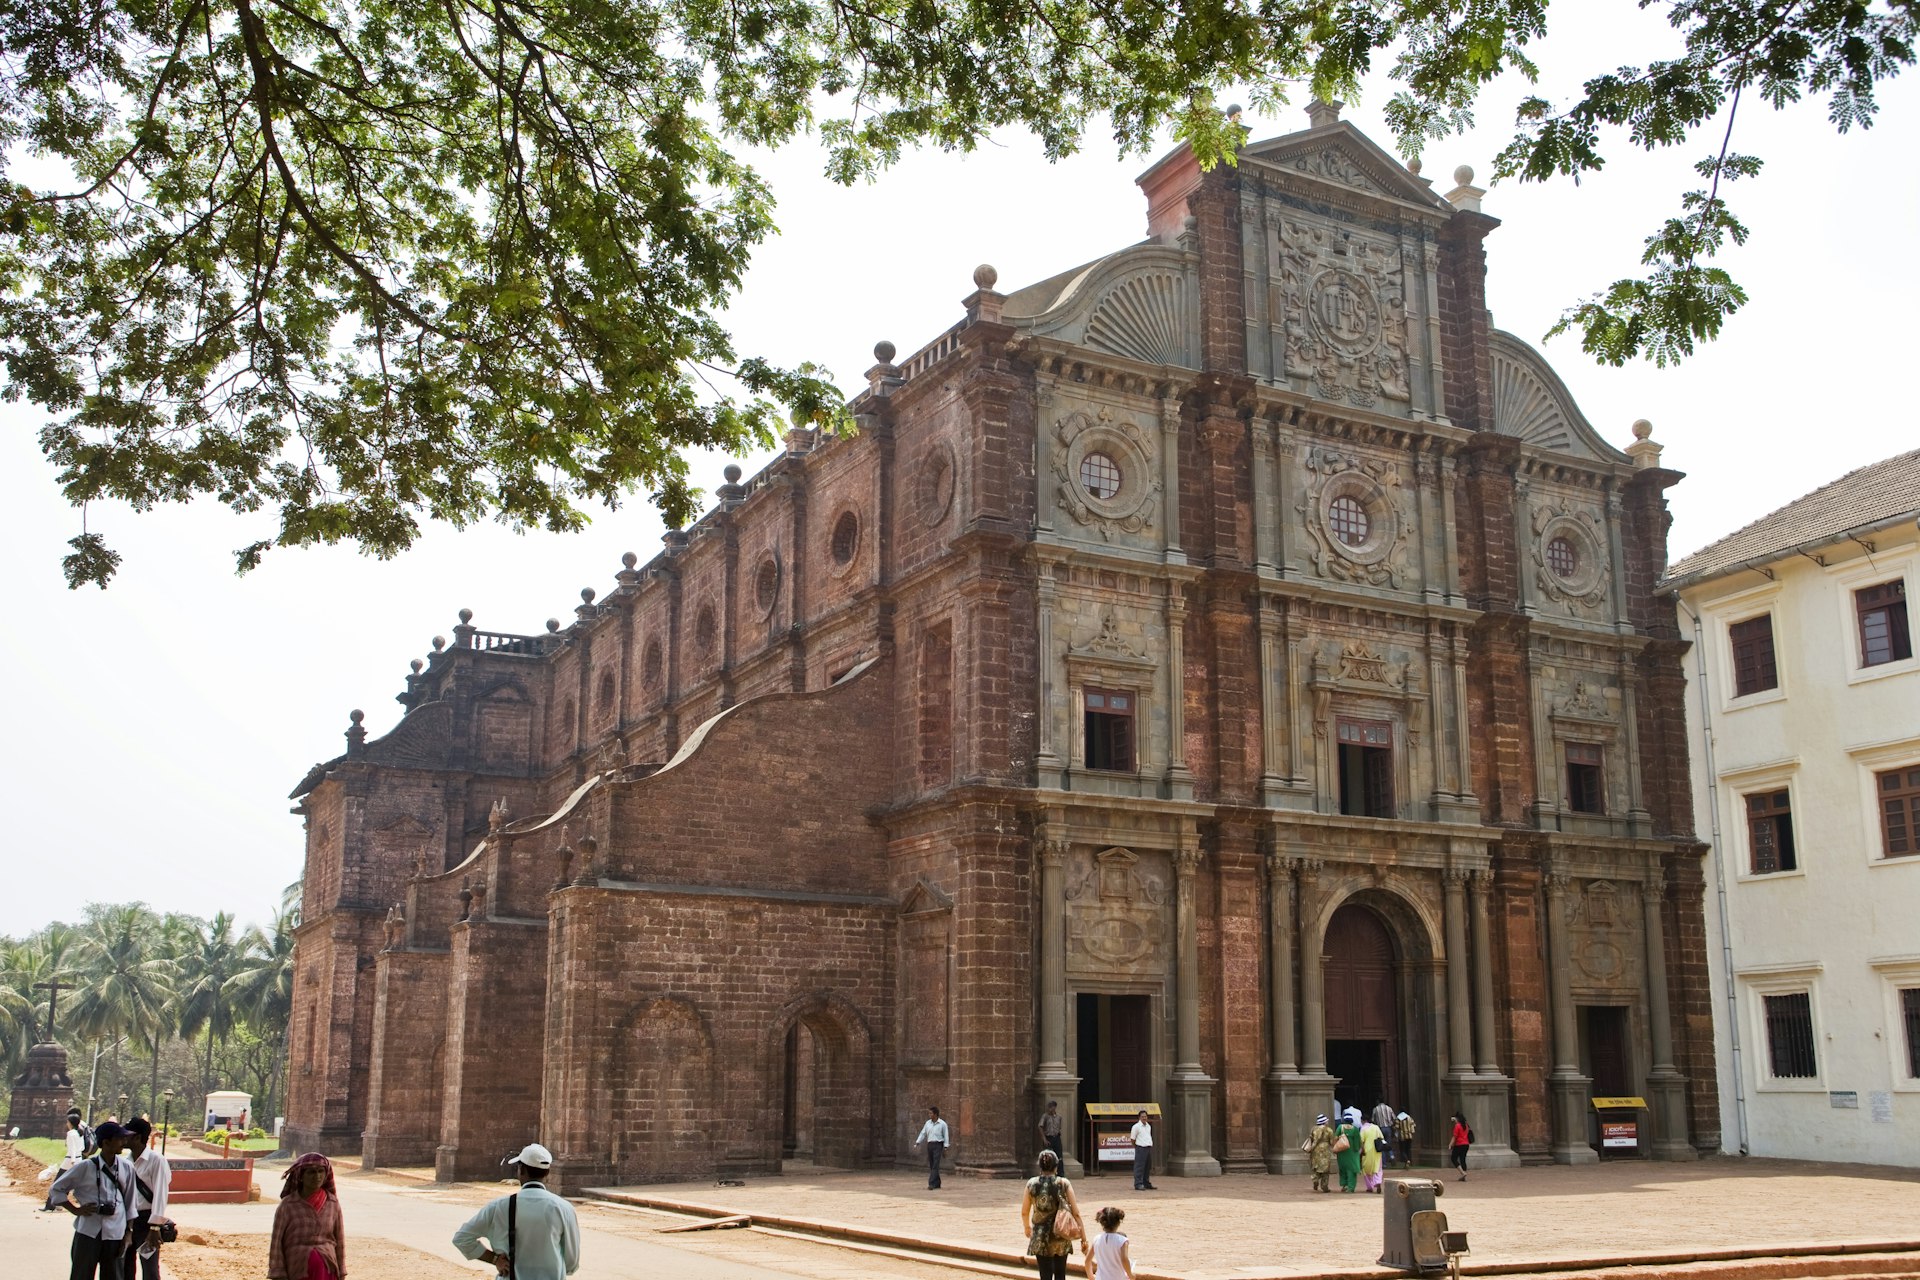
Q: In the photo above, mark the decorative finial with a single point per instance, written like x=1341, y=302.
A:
x=883, y=352
x=356, y=732
x=1413, y=166
x=1233, y=113
x=586, y=595
x=1463, y=176
x=985, y=277
x=1642, y=429
x=356, y=716
x=629, y=560
x=553, y=625
x=439, y=643
x=466, y=616
x=732, y=472
x=1190, y=223
x=416, y=664
x=1465, y=196
x=1644, y=452
x=1321, y=113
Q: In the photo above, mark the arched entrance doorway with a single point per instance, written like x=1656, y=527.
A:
x=1364, y=1048
x=819, y=1062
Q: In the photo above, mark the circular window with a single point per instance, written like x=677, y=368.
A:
x=1100, y=475
x=703, y=629
x=1347, y=519
x=1563, y=557
x=766, y=584
x=846, y=538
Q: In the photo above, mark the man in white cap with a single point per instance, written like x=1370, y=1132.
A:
x=531, y=1234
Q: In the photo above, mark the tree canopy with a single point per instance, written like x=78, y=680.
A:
x=364, y=262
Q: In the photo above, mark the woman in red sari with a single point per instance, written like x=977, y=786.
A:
x=309, y=1235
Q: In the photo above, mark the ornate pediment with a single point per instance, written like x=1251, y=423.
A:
x=1531, y=403
x=1342, y=156
x=1141, y=303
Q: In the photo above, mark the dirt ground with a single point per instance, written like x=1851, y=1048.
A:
x=214, y=1255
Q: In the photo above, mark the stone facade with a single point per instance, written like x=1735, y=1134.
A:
x=1222, y=675
x=42, y=1092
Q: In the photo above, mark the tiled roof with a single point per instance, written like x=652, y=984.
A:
x=1874, y=493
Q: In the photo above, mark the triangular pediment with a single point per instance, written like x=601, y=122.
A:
x=1340, y=155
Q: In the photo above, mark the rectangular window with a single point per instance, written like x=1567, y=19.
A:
x=1753, y=666
x=1790, y=1036
x=1770, y=833
x=1883, y=623
x=1109, y=730
x=1899, y=793
x=1585, y=791
x=1910, y=1018
x=1366, y=768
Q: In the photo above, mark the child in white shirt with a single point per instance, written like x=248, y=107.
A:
x=1107, y=1257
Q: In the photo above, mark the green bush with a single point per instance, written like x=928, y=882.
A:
x=256, y=1132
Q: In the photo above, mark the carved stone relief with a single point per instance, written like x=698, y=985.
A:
x=1606, y=944
x=1344, y=299
x=1117, y=914
x=1131, y=506
x=1377, y=556
x=1569, y=555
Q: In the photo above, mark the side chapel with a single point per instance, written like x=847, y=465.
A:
x=1225, y=674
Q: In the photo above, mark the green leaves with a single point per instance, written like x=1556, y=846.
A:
x=366, y=263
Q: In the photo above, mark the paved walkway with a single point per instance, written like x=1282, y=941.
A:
x=1250, y=1225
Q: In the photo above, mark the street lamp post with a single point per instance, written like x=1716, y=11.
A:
x=166, y=1121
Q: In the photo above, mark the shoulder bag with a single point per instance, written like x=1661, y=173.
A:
x=1340, y=1142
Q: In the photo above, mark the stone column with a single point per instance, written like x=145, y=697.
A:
x=1179, y=780
x=1666, y=1087
x=1190, y=1085
x=1459, y=1024
x=1051, y=1079
x=1170, y=478
x=1047, y=760
x=1486, y=1041
x=1313, y=983
x=1566, y=1087
x=1280, y=904
x=1485, y=1095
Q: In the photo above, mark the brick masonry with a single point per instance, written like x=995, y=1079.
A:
x=741, y=860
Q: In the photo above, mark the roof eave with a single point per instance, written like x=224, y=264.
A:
x=1672, y=586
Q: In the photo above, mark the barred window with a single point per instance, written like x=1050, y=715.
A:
x=1770, y=833
x=1348, y=520
x=1910, y=1018
x=1562, y=558
x=1100, y=474
x=1790, y=1035
x=1753, y=662
x=1586, y=791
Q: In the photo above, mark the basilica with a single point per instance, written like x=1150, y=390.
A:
x=1224, y=676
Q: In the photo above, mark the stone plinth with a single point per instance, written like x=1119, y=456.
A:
x=42, y=1093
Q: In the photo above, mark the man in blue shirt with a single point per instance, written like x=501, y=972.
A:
x=97, y=1192
x=530, y=1235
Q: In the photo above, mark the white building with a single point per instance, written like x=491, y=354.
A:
x=1804, y=714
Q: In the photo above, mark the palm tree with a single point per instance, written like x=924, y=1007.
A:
x=19, y=1016
x=262, y=987
x=202, y=1000
x=125, y=983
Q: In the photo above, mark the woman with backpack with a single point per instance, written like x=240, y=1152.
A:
x=1462, y=1139
x=1050, y=1235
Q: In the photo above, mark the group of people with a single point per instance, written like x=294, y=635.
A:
x=1051, y=1220
x=1359, y=1148
x=115, y=1185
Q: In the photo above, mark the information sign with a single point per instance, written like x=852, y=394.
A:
x=1620, y=1133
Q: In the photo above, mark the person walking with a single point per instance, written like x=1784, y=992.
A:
x=152, y=1178
x=1373, y=1151
x=933, y=1134
x=1107, y=1256
x=529, y=1235
x=1320, y=1152
x=1040, y=1205
x=1382, y=1117
x=1403, y=1131
x=1462, y=1140
x=80, y=1140
x=1050, y=1126
x=97, y=1191
x=1142, y=1135
x=1346, y=1151
x=309, y=1240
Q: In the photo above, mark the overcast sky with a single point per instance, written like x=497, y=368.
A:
x=155, y=728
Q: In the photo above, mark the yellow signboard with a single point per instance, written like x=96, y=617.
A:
x=1619, y=1104
x=1121, y=1110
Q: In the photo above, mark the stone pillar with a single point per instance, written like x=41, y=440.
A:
x=1459, y=1025
x=1666, y=1087
x=1566, y=1087
x=1313, y=984
x=1179, y=780
x=1486, y=1096
x=1047, y=759
x=1294, y=1094
x=1051, y=1079
x=1190, y=1085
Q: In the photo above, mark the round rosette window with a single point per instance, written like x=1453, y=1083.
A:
x=1574, y=564
x=1106, y=478
x=1360, y=524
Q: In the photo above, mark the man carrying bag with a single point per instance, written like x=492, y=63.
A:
x=539, y=1229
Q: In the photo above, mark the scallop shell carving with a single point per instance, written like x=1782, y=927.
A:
x=1144, y=318
x=1524, y=406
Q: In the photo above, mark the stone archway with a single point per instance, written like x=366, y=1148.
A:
x=818, y=1064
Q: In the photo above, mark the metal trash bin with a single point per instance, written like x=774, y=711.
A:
x=1404, y=1198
